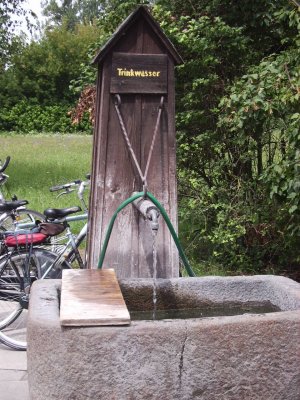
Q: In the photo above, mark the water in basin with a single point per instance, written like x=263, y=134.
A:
x=216, y=311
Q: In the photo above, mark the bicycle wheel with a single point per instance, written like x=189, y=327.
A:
x=13, y=313
x=58, y=243
x=22, y=216
x=46, y=262
x=14, y=296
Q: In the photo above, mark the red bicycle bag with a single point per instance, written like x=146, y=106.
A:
x=25, y=239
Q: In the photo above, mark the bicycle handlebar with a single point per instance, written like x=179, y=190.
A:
x=5, y=165
x=65, y=186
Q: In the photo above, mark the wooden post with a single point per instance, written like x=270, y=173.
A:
x=138, y=64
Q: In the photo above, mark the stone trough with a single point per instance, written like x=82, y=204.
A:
x=237, y=357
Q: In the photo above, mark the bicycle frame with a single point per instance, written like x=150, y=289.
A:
x=69, y=249
x=69, y=252
x=71, y=218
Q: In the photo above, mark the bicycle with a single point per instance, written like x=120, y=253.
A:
x=14, y=212
x=27, y=262
x=58, y=242
x=65, y=189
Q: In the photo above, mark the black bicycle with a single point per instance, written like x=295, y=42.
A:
x=25, y=258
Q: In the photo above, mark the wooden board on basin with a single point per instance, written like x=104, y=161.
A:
x=92, y=297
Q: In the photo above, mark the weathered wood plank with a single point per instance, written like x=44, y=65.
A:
x=99, y=165
x=92, y=297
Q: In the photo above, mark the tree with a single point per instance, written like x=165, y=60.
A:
x=9, y=9
x=261, y=116
x=36, y=84
x=238, y=152
x=72, y=12
x=42, y=71
x=57, y=14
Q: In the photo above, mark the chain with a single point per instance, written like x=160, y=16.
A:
x=123, y=129
x=143, y=177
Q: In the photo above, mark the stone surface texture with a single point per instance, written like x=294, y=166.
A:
x=228, y=358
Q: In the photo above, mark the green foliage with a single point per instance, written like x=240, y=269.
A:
x=41, y=72
x=27, y=118
x=34, y=90
x=240, y=187
x=10, y=10
x=60, y=13
x=72, y=12
x=265, y=22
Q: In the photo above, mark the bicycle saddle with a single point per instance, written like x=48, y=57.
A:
x=12, y=205
x=54, y=213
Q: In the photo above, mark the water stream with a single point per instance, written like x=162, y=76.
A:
x=154, y=252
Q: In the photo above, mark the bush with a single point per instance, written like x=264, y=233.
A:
x=25, y=117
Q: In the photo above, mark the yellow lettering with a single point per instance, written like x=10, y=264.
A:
x=137, y=73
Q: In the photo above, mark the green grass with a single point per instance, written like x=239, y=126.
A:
x=41, y=161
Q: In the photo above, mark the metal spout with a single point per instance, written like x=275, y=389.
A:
x=149, y=211
x=153, y=215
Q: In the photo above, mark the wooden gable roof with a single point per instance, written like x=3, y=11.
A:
x=140, y=12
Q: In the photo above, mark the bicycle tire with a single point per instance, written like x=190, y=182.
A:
x=13, y=344
x=13, y=310
x=46, y=258
x=24, y=216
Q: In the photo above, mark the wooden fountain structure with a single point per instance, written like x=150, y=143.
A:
x=135, y=87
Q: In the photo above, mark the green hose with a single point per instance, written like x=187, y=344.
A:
x=111, y=224
x=166, y=218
